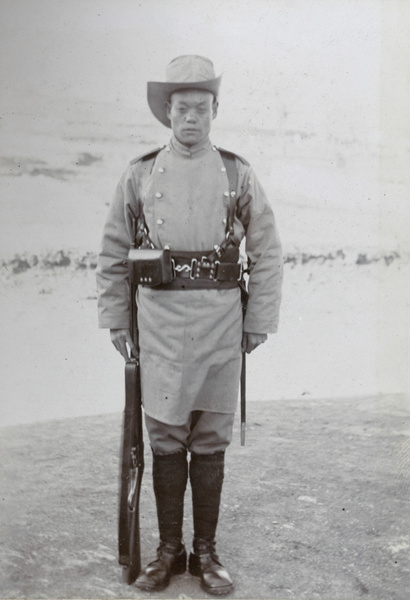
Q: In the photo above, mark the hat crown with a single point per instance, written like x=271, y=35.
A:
x=190, y=68
x=185, y=72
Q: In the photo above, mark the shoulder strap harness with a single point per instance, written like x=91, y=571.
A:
x=140, y=234
x=139, y=230
x=228, y=158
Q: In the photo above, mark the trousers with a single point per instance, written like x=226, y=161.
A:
x=203, y=433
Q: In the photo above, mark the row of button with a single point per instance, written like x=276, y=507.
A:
x=159, y=195
x=162, y=170
x=226, y=194
x=161, y=221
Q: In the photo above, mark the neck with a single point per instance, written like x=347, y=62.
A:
x=189, y=149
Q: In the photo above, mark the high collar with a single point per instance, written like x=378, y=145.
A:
x=191, y=150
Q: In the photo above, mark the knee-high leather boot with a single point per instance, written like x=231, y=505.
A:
x=170, y=475
x=207, y=474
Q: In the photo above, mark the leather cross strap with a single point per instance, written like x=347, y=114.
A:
x=139, y=228
x=141, y=234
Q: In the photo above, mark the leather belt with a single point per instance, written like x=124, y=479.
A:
x=192, y=270
x=202, y=269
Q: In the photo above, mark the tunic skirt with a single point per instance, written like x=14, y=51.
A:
x=190, y=350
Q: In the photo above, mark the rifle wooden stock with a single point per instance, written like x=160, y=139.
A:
x=132, y=466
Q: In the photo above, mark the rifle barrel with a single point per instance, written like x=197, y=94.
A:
x=243, y=399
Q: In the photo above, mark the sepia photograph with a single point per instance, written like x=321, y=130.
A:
x=205, y=299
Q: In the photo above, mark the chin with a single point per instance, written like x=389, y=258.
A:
x=193, y=139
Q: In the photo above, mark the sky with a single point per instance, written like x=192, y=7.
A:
x=312, y=62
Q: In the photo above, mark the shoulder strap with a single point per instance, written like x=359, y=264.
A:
x=148, y=156
x=234, y=155
x=231, y=171
x=139, y=230
x=229, y=160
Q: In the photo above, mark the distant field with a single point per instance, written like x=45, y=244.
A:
x=344, y=319
x=59, y=169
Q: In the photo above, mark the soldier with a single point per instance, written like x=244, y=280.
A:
x=191, y=330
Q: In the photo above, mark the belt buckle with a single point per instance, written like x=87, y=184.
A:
x=194, y=264
x=215, y=276
x=182, y=268
x=212, y=267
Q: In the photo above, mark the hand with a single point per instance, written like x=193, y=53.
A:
x=250, y=341
x=120, y=338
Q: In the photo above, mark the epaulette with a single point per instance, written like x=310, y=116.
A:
x=234, y=155
x=148, y=156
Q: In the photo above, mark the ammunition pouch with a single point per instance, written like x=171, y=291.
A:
x=184, y=270
x=150, y=267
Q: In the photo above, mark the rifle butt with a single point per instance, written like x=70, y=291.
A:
x=132, y=467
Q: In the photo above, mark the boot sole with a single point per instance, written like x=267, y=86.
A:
x=217, y=591
x=154, y=588
x=195, y=570
x=160, y=586
x=179, y=569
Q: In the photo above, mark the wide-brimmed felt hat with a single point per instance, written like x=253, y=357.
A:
x=188, y=72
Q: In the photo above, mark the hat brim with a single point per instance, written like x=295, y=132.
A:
x=159, y=92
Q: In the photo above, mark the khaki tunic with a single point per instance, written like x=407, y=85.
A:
x=190, y=339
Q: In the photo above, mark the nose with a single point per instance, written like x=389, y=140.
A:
x=190, y=117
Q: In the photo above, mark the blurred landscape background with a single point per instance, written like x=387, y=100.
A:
x=314, y=94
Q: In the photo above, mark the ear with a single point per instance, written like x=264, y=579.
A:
x=168, y=107
x=215, y=105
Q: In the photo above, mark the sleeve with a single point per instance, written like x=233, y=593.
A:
x=264, y=250
x=112, y=267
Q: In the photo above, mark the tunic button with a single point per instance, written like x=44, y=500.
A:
x=160, y=221
x=226, y=194
x=214, y=148
x=168, y=148
x=223, y=170
x=224, y=221
x=158, y=195
x=161, y=170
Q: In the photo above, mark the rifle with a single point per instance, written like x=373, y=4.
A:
x=243, y=399
x=132, y=464
x=244, y=301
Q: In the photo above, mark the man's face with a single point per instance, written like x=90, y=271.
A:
x=191, y=113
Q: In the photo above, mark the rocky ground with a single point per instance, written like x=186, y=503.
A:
x=316, y=505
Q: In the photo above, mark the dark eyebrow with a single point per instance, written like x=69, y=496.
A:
x=183, y=103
